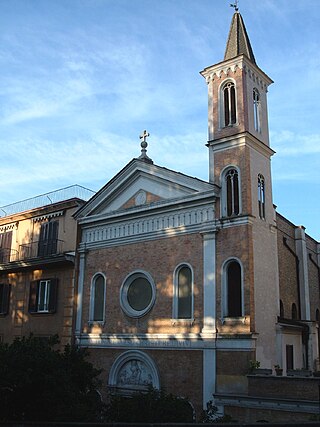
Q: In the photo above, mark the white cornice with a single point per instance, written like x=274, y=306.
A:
x=159, y=206
x=177, y=182
x=167, y=341
x=241, y=139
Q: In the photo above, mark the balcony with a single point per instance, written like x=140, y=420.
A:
x=33, y=254
x=42, y=248
x=8, y=255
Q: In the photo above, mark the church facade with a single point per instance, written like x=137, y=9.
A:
x=183, y=283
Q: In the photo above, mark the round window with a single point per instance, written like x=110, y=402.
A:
x=137, y=294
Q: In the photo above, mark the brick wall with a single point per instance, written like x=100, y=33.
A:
x=288, y=281
x=159, y=258
x=180, y=371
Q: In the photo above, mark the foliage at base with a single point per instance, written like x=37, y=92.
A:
x=149, y=407
x=40, y=383
x=211, y=415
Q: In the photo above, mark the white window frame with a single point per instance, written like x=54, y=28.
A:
x=224, y=199
x=261, y=196
x=256, y=109
x=224, y=289
x=175, y=306
x=46, y=285
x=124, y=303
x=221, y=103
x=91, y=309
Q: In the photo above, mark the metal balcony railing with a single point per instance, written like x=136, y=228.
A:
x=41, y=248
x=8, y=255
x=73, y=191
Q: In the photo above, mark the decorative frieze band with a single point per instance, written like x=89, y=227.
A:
x=177, y=222
x=48, y=216
x=166, y=341
x=227, y=69
x=8, y=227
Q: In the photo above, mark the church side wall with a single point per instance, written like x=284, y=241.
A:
x=288, y=280
x=314, y=277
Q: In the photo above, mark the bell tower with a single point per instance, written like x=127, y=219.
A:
x=239, y=162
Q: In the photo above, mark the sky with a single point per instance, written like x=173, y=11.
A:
x=81, y=79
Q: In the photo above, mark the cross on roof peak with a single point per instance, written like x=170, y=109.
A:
x=143, y=156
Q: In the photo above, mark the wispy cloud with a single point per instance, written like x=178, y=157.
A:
x=288, y=143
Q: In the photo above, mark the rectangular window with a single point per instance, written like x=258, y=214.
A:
x=48, y=239
x=43, y=296
x=289, y=356
x=4, y=298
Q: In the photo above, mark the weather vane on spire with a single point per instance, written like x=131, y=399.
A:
x=235, y=5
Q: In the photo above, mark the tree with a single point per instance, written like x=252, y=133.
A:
x=152, y=406
x=41, y=383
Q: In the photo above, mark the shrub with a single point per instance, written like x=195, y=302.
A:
x=151, y=406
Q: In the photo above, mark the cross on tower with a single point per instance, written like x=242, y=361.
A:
x=235, y=5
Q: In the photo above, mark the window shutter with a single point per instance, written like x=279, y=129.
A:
x=53, y=293
x=33, y=297
x=4, y=308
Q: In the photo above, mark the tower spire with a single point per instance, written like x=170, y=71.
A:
x=238, y=41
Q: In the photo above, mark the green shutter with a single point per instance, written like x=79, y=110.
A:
x=53, y=294
x=33, y=297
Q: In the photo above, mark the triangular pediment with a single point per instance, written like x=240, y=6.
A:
x=142, y=184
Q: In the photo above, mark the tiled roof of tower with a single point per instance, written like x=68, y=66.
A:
x=238, y=41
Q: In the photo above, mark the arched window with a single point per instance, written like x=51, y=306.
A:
x=261, y=197
x=233, y=306
x=256, y=110
x=281, y=310
x=97, y=305
x=231, y=187
x=229, y=104
x=294, y=312
x=183, y=293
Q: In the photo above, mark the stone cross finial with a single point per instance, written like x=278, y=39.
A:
x=235, y=5
x=144, y=145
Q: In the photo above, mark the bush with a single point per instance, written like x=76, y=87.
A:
x=39, y=383
x=149, y=407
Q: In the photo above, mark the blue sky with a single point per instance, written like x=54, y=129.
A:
x=80, y=80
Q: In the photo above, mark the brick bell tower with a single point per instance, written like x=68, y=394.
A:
x=239, y=162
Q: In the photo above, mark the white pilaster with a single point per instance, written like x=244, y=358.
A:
x=80, y=292
x=209, y=283
x=209, y=376
x=301, y=250
x=210, y=109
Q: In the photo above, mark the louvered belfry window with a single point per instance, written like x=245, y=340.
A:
x=232, y=187
x=229, y=104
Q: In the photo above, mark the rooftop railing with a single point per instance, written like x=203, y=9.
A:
x=73, y=191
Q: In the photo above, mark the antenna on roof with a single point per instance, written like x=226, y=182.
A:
x=235, y=5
